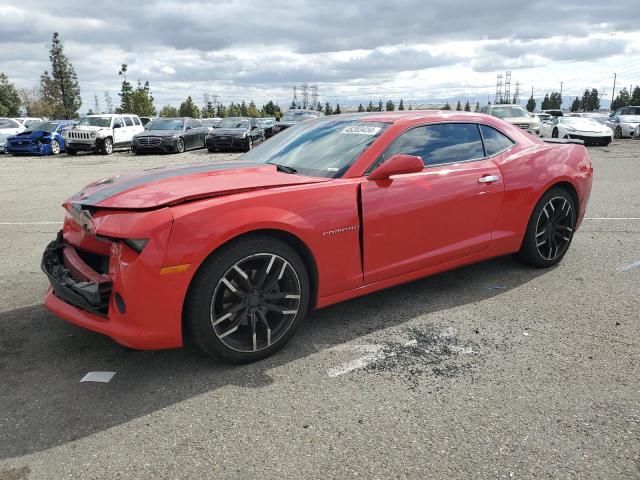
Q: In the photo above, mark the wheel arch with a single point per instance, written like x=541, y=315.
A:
x=293, y=241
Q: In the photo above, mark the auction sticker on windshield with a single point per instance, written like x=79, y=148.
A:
x=361, y=130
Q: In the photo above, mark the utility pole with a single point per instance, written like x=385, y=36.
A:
x=613, y=93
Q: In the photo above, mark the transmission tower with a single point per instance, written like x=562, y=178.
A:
x=305, y=95
x=295, y=97
x=498, y=98
x=314, y=96
x=516, y=96
x=507, y=87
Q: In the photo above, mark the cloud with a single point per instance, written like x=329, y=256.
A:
x=240, y=49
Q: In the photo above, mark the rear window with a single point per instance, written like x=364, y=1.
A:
x=136, y=120
x=7, y=123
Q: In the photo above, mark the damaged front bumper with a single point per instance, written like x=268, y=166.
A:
x=73, y=281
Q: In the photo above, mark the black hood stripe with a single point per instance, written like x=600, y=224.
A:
x=111, y=186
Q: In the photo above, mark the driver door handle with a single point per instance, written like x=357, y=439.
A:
x=488, y=179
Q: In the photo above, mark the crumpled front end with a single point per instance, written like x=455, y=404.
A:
x=107, y=274
x=29, y=145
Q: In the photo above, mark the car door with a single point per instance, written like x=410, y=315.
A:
x=256, y=131
x=443, y=213
x=198, y=133
x=119, y=131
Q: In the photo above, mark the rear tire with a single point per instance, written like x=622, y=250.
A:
x=550, y=229
x=254, y=284
x=618, y=132
x=554, y=134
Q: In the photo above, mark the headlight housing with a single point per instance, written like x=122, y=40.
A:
x=93, y=134
x=169, y=139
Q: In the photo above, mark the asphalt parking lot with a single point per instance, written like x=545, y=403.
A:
x=490, y=371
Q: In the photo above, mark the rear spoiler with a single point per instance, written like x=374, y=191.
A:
x=563, y=140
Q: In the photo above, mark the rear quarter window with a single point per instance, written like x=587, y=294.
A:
x=494, y=141
x=128, y=121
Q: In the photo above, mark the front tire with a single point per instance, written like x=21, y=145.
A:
x=70, y=151
x=550, y=229
x=180, y=145
x=247, y=299
x=554, y=134
x=55, y=147
x=107, y=146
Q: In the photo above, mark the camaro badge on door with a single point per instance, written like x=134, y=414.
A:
x=340, y=230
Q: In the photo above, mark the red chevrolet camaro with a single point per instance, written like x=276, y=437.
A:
x=234, y=254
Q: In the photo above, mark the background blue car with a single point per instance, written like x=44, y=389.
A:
x=41, y=139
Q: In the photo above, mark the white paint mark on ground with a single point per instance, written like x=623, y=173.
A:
x=373, y=353
x=631, y=266
x=102, y=377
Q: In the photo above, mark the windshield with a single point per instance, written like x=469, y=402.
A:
x=322, y=148
x=210, y=122
x=48, y=127
x=630, y=118
x=299, y=115
x=165, y=124
x=265, y=122
x=95, y=122
x=509, y=112
x=231, y=122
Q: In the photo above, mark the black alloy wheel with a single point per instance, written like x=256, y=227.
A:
x=554, y=134
x=550, y=230
x=618, y=132
x=247, y=299
x=255, y=302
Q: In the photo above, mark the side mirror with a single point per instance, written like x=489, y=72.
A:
x=189, y=127
x=397, y=165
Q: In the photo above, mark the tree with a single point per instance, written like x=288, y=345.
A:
x=60, y=88
x=623, y=99
x=188, y=109
x=360, y=108
x=142, y=101
x=9, y=98
x=531, y=104
x=545, y=102
x=270, y=109
x=410, y=106
x=370, y=106
x=635, y=96
x=221, y=111
x=555, y=100
x=478, y=107
x=446, y=106
x=401, y=105
x=327, y=109
x=380, y=107
x=34, y=102
x=467, y=107
x=337, y=111
x=459, y=107
x=126, y=92
x=169, y=111
x=576, y=106
x=595, y=100
x=252, y=110
x=390, y=107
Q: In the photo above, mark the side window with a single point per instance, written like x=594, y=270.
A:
x=440, y=143
x=117, y=122
x=136, y=121
x=128, y=121
x=196, y=124
x=494, y=141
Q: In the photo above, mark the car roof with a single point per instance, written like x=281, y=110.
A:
x=411, y=116
x=111, y=115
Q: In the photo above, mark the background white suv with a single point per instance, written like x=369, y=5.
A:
x=102, y=133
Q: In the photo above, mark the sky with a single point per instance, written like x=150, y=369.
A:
x=355, y=51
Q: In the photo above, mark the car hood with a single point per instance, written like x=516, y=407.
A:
x=159, y=133
x=32, y=134
x=87, y=128
x=230, y=131
x=518, y=120
x=171, y=186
